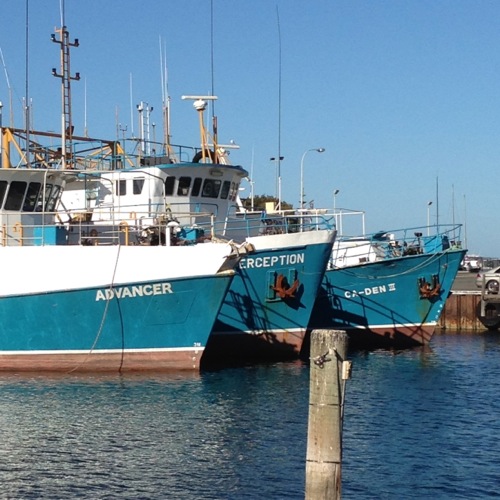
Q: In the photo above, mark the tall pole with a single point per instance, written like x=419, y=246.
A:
x=437, y=203
x=140, y=110
x=429, y=203
x=65, y=76
x=319, y=150
x=27, y=106
x=465, y=222
x=279, y=157
x=328, y=375
x=335, y=193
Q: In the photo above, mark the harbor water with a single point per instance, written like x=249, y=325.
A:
x=420, y=423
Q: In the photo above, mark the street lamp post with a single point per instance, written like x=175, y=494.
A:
x=319, y=150
x=335, y=193
x=278, y=160
x=429, y=203
x=338, y=224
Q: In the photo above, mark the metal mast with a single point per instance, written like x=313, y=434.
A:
x=65, y=76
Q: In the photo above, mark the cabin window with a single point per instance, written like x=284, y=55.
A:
x=54, y=197
x=225, y=190
x=234, y=191
x=211, y=188
x=196, y=187
x=137, y=185
x=121, y=187
x=15, y=196
x=31, y=196
x=3, y=188
x=48, y=190
x=183, y=188
x=169, y=186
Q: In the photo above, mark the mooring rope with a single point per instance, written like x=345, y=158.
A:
x=104, y=315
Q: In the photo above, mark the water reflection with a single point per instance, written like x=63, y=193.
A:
x=419, y=423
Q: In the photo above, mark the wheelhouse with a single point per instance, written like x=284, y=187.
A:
x=28, y=202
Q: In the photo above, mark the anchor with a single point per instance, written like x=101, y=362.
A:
x=429, y=290
x=282, y=291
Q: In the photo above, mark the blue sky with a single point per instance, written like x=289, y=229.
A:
x=403, y=95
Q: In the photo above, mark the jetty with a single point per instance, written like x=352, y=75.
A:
x=469, y=308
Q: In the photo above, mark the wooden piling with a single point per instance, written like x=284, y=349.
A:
x=324, y=437
x=462, y=313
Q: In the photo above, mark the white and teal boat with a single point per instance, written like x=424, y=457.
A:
x=269, y=302
x=167, y=198
x=389, y=288
x=97, y=307
x=152, y=199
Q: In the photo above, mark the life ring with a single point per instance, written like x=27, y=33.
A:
x=208, y=154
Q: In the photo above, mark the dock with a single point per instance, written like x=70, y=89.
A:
x=467, y=309
x=461, y=312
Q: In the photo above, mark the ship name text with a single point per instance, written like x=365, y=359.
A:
x=132, y=292
x=272, y=261
x=371, y=290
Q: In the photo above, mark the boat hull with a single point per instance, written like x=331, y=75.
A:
x=255, y=322
x=386, y=303
x=106, y=318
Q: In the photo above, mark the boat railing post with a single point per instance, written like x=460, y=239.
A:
x=18, y=228
x=125, y=228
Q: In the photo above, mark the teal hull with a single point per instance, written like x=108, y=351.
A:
x=147, y=326
x=255, y=322
x=383, y=303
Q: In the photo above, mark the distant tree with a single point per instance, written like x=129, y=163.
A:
x=259, y=202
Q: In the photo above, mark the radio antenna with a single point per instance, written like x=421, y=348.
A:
x=11, y=109
x=165, y=98
x=27, y=106
x=279, y=157
x=212, y=64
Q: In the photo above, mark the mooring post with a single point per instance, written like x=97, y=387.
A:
x=328, y=373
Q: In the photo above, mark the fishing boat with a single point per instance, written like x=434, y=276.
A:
x=160, y=198
x=112, y=307
x=268, y=305
x=389, y=288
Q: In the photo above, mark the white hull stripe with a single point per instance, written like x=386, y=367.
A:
x=390, y=325
x=259, y=332
x=102, y=351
